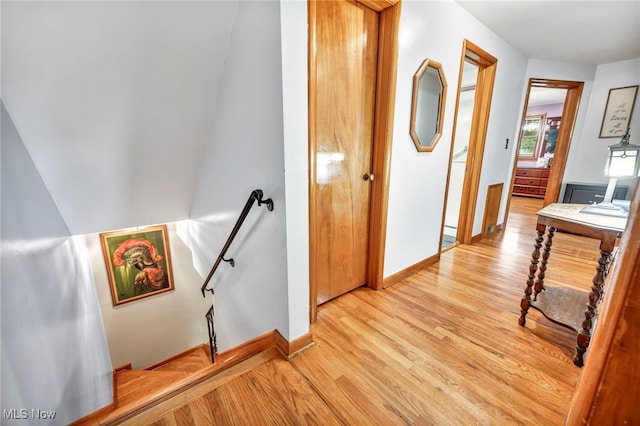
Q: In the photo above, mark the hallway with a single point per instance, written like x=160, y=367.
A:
x=442, y=347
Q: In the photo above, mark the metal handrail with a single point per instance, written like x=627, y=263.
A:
x=256, y=195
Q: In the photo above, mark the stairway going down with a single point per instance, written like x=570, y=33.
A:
x=133, y=386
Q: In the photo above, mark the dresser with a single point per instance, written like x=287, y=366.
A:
x=531, y=181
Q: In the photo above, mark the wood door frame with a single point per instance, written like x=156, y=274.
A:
x=487, y=65
x=389, y=13
x=563, y=143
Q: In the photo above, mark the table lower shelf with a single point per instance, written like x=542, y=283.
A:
x=563, y=306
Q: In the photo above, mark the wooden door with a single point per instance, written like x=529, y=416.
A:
x=346, y=54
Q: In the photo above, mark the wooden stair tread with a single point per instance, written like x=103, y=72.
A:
x=190, y=362
x=131, y=400
x=136, y=384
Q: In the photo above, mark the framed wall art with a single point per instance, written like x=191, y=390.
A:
x=617, y=112
x=138, y=263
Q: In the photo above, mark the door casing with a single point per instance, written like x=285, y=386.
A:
x=487, y=65
x=389, y=13
x=565, y=133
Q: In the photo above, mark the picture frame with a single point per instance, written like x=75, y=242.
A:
x=618, y=111
x=138, y=263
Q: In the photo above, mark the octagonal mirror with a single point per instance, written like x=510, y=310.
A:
x=427, y=105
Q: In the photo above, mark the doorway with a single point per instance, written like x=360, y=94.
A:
x=352, y=69
x=460, y=149
x=473, y=103
x=541, y=100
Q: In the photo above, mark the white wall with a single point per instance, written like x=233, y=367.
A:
x=149, y=330
x=245, y=152
x=416, y=194
x=54, y=351
x=294, y=33
x=243, y=149
x=114, y=102
x=552, y=110
x=588, y=154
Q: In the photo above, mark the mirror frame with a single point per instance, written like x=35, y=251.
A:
x=428, y=63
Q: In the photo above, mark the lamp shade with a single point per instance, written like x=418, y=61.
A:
x=624, y=159
x=623, y=163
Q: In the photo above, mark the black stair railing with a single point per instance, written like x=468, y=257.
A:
x=256, y=195
x=213, y=341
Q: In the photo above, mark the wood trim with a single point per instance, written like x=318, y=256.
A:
x=484, y=92
x=428, y=63
x=476, y=239
x=378, y=5
x=569, y=116
x=411, y=270
x=290, y=350
x=494, y=193
x=246, y=350
x=453, y=133
x=122, y=368
x=486, y=77
x=111, y=414
x=313, y=131
x=383, y=136
x=114, y=385
x=605, y=393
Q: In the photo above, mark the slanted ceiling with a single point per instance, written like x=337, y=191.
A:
x=114, y=102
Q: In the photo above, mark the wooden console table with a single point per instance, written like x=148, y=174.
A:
x=569, y=307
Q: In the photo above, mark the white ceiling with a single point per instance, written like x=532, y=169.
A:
x=586, y=32
x=114, y=102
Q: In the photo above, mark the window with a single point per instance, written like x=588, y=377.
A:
x=531, y=136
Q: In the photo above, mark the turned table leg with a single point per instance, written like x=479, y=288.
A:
x=533, y=268
x=538, y=286
x=584, y=335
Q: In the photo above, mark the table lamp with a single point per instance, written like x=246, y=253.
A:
x=623, y=161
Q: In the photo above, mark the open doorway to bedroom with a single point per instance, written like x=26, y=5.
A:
x=548, y=119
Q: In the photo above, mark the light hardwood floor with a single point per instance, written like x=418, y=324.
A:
x=442, y=347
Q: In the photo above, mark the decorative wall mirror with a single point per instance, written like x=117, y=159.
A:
x=531, y=136
x=427, y=105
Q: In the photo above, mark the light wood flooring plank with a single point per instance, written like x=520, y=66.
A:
x=442, y=347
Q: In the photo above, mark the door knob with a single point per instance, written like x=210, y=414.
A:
x=368, y=176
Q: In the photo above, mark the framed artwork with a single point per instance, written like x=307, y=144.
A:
x=138, y=263
x=617, y=112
